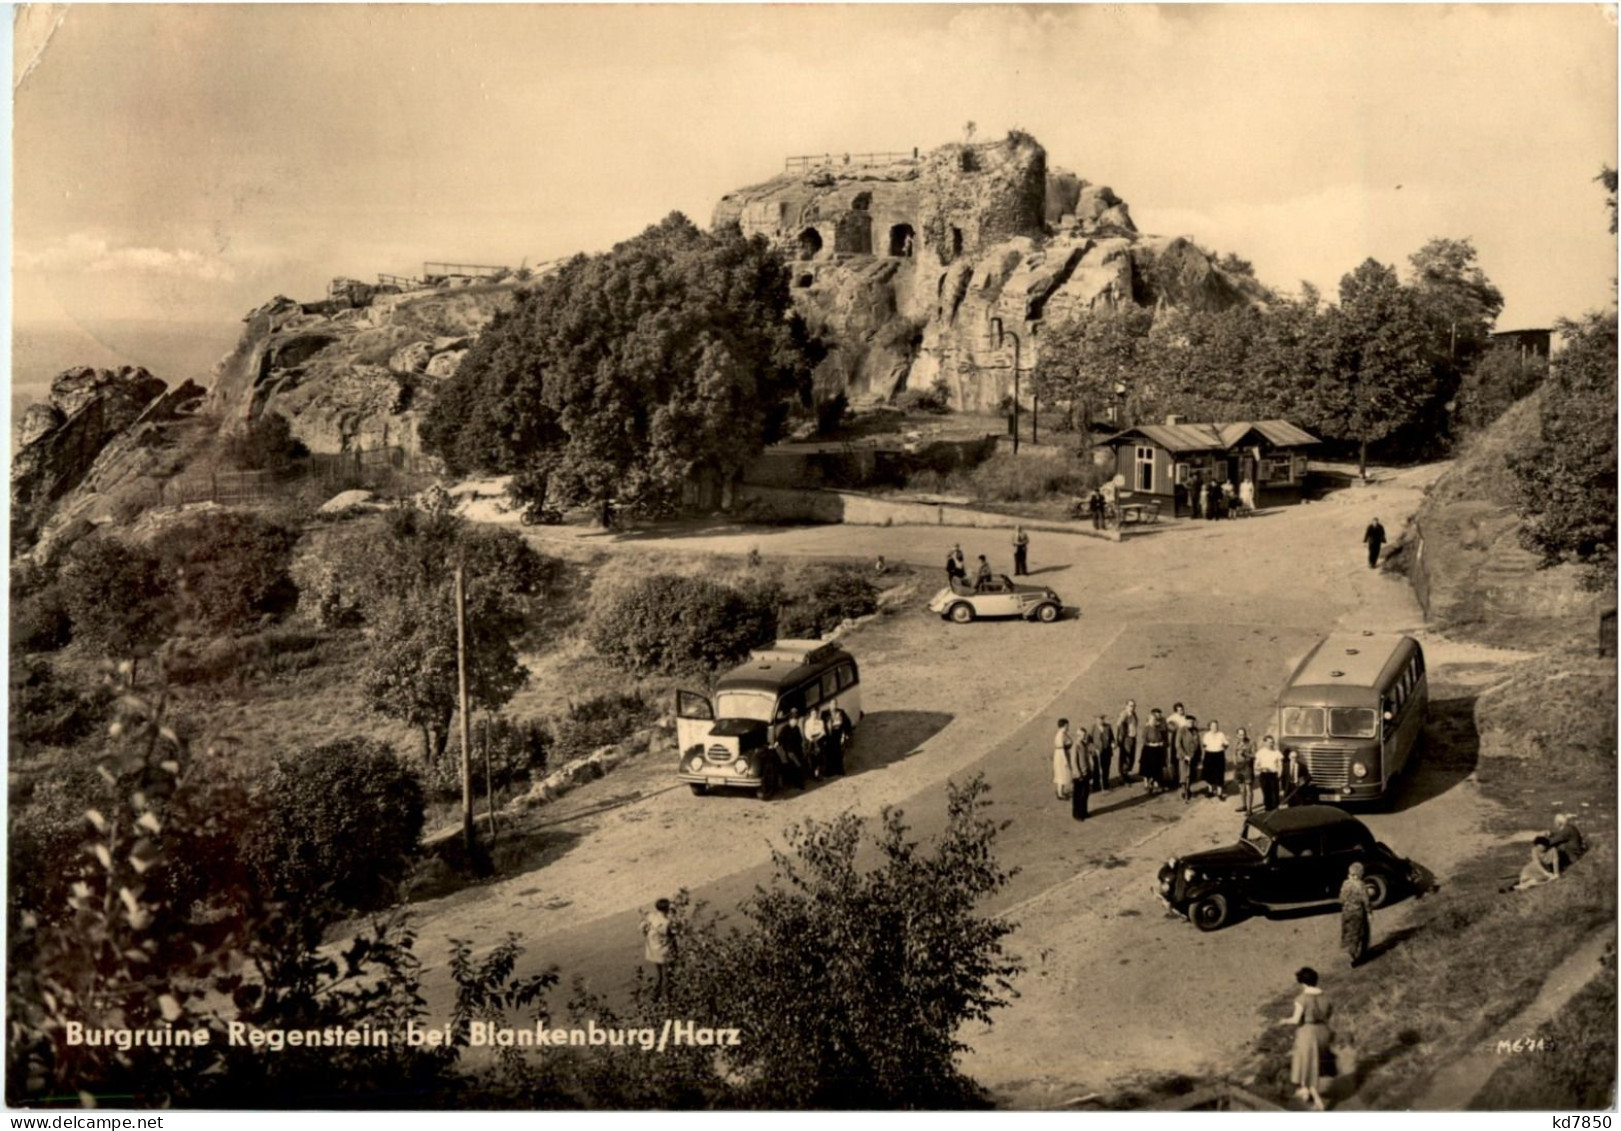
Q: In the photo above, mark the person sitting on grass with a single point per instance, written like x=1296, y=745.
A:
x=1542, y=868
x=1566, y=840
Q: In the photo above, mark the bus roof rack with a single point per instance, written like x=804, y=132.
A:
x=793, y=652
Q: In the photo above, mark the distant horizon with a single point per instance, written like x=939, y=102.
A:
x=271, y=154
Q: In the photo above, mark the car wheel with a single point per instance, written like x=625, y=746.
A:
x=962, y=612
x=1211, y=912
x=1378, y=890
x=698, y=788
x=1046, y=614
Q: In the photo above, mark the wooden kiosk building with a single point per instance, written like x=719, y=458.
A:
x=1165, y=462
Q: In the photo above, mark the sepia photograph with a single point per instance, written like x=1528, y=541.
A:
x=879, y=557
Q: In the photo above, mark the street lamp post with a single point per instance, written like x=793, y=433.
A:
x=1001, y=333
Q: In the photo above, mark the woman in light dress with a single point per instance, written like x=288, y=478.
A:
x=1062, y=741
x=1312, y=1034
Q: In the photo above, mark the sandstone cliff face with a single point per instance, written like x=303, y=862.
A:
x=63, y=438
x=903, y=266
x=355, y=378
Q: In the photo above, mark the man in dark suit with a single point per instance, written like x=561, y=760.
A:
x=1102, y=751
x=1374, y=538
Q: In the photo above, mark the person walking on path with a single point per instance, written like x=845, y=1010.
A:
x=956, y=566
x=1102, y=751
x=1268, y=769
x=1312, y=1036
x=1152, y=765
x=1374, y=538
x=660, y=945
x=1244, y=767
x=1062, y=776
x=1214, y=744
x=1356, y=915
x=1021, y=552
x=1080, y=767
x=1187, y=756
x=1126, y=730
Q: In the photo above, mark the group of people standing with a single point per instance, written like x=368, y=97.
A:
x=1205, y=498
x=1171, y=752
x=813, y=746
x=957, y=562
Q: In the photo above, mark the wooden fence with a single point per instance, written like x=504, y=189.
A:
x=392, y=471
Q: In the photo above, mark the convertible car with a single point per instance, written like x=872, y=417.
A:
x=998, y=597
x=1284, y=859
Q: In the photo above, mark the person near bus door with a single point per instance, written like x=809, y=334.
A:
x=791, y=742
x=838, y=737
x=1268, y=769
x=815, y=744
x=1126, y=729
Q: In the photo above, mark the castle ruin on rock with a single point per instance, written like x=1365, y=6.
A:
x=902, y=261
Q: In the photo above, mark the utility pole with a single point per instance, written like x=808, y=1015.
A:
x=469, y=836
x=489, y=782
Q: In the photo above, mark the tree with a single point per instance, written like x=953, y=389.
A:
x=1501, y=376
x=666, y=623
x=117, y=597
x=127, y=953
x=619, y=376
x=411, y=674
x=1384, y=374
x=1459, y=301
x=1566, y=481
x=1083, y=359
x=266, y=444
x=1606, y=178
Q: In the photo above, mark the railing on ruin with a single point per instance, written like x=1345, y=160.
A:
x=839, y=160
x=404, y=282
x=432, y=271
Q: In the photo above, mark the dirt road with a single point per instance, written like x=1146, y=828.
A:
x=1211, y=614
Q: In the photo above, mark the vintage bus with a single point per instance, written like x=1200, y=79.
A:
x=730, y=742
x=1353, y=713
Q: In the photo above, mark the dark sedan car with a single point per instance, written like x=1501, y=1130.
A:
x=1285, y=859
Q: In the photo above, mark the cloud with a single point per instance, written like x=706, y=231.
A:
x=82, y=253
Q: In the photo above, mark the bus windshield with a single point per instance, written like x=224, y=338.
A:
x=1352, y=722
x=745, y=705
x=1304, y=722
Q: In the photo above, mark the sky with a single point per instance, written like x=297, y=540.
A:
x=189, y=162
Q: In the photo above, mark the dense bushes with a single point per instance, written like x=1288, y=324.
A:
x=599, y=721
x=518, y=750
x=267, y=444
x=230, y=569
x=340, y=820
x=668, y=624
x=819, y=602
x=1024, y=479
x=116, y=596
x=40, y=621
x=45, y=710
x=936, y=398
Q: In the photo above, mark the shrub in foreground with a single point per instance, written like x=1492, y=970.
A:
x=340, y=820
x=669, y=624
x=821, y=602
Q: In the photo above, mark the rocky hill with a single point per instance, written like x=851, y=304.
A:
x=900, y=264
x=903, y=263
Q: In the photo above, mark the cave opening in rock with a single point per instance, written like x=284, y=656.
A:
x=900, y=240
x=810, y=243
x=956, y=242
x=806, y=280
